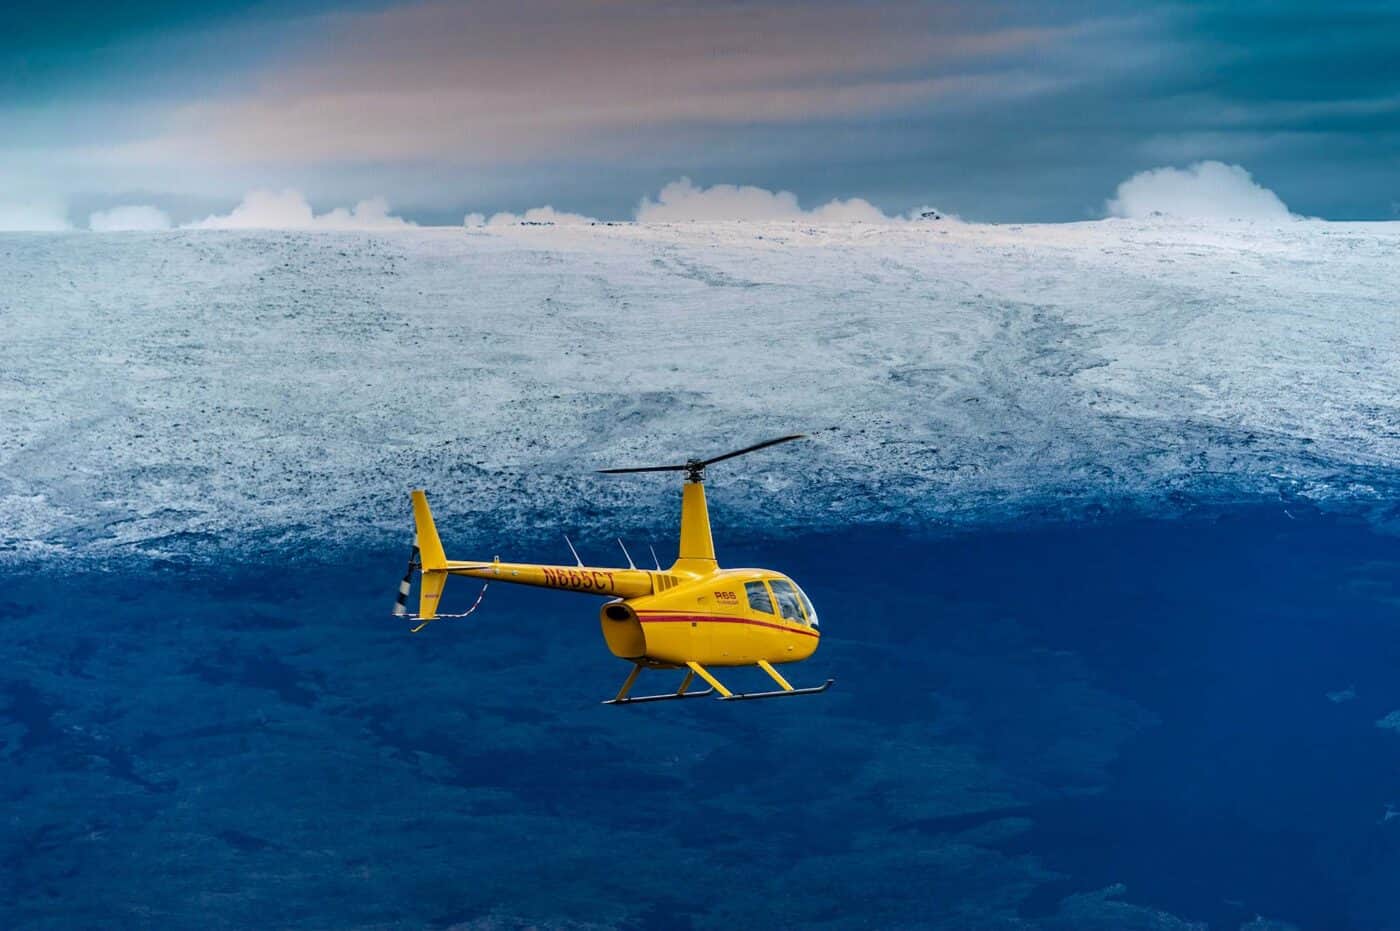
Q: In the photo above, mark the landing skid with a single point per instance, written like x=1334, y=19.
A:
x=665, y=696
x=780, y=693
x=681, y=692
x=695, y=669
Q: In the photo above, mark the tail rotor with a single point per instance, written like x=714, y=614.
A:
x=430, y=562
x=401, y=602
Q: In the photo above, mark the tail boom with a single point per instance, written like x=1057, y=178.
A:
x=436, y=567
x=590, y=580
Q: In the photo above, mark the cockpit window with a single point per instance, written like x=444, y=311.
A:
x=789, y=602
x=807, y=603
x=759, y=599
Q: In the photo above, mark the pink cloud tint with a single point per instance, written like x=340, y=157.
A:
x=502, y=80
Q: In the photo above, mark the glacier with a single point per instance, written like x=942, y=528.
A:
x=1116, y=477
x=189, y=392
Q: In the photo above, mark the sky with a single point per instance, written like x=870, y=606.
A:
x=1000, y=111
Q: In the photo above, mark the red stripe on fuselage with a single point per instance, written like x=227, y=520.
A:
x=664, y=618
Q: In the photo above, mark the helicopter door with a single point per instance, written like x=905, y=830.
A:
x=759, y=599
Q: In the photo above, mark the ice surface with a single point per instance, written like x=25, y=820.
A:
x=174, y=392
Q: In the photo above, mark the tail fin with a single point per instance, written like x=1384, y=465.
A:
x=429, y=545
x=430, y=588
x=434, y=559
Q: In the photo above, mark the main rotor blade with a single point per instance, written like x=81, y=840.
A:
x=748, y=449
x=675, y=468
x=701, y=463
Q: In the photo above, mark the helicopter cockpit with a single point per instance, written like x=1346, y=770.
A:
x=783, y=598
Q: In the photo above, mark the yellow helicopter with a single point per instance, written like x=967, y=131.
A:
x=691, y=616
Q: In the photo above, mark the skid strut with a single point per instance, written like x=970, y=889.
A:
x=622, y=694
x=785, y=689
x=695, y=669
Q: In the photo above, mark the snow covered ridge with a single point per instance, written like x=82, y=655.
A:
x=195, y=392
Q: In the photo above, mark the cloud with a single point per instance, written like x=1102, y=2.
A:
x=855, y=210
x=544, y=214
x=502, y=79
x=37, y=216
x=493, y=102
x=129, y=218
x=289, y=210
x=682, y=201
x=1205, y=190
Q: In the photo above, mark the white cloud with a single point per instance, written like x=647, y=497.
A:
x=544, y=214
x=289, y=210
x=372, y=214
x=132, y=217
x=36, y=216
x=1206, y=190
x=855, y=210
x=682, y=200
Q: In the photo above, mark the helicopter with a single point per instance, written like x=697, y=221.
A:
x=693, y=616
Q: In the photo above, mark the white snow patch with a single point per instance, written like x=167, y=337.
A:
x=1390, y=722
x=289, y=210
x=1205, y=190
x=134, y=217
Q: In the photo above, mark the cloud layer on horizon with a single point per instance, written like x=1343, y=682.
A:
x=541, y=215
x=33, y=217
x=142, y=217
x=1209, y=190
x=1206, y=190
x=289, y=210
x=682, y=201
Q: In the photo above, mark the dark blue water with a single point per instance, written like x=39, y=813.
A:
x=1091, y=726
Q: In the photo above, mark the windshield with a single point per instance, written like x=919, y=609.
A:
x=791, y=602
x=807, y=603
